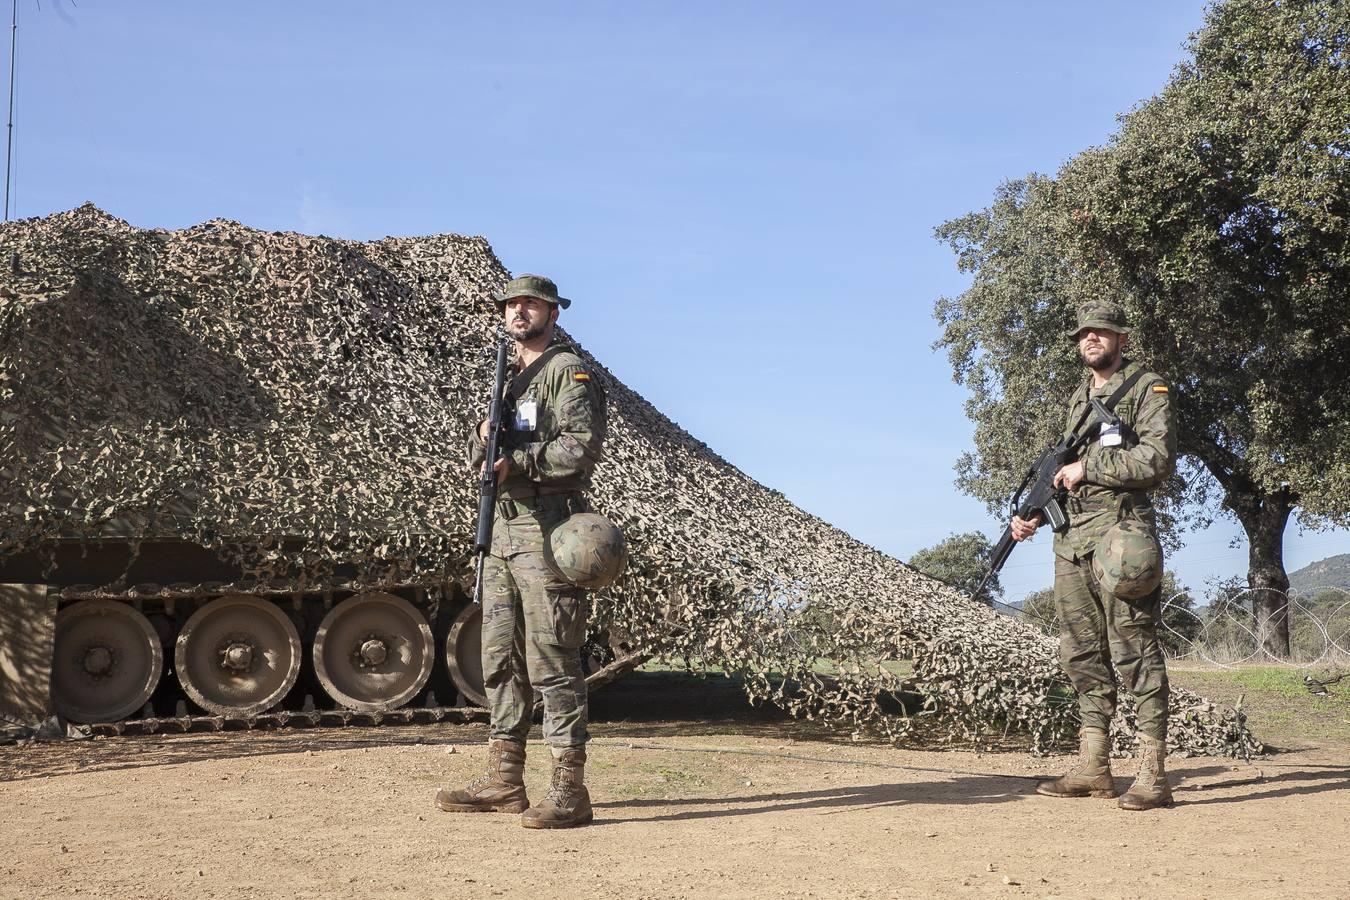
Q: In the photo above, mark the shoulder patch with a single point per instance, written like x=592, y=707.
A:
x=583, y=376
x=1159, y=389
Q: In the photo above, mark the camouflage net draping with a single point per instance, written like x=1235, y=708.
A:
x=233, y=386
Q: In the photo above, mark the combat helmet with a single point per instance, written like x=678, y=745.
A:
x=1128, y=560
x=588, y=550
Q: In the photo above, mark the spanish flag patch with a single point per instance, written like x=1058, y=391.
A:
x=1160, y=389
x=580, y=376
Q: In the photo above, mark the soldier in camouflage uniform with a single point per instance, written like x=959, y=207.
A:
x=1102, y=632
x=534, y=622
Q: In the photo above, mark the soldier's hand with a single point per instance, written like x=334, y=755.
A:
x=502, y=467
x=1024, y=528
x=1070, y=476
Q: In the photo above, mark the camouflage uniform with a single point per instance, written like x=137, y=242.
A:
x=1100, y=632
x=534, y=622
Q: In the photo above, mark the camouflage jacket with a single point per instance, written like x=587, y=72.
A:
x=554, y=431
x=1118, y=471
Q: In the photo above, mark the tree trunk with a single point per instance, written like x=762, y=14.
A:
x=1264, y=517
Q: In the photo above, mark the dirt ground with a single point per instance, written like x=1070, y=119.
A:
x=696, y=795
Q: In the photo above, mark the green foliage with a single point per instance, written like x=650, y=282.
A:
x=960, y=561
x=1219, y=214
x=1221, y=210
x=1004, y=335
x=1038, y=611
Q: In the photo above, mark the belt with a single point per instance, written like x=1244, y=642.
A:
x=1137, y=499
x=512, y=507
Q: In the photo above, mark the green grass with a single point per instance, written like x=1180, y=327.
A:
x=1273, y=681
x=651, y=780
x=1280, y=709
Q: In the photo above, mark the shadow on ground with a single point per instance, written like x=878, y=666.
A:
x=964, y=790
x=1299, y=779
x=642, y=705
x=664, y=703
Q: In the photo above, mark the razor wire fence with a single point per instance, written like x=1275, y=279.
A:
x=1225, y=629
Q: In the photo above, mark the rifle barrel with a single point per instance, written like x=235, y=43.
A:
x=487, y=485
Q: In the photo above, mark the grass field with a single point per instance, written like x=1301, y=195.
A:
x=1280, y=709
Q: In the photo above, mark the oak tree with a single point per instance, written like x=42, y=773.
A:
x=1219, y=214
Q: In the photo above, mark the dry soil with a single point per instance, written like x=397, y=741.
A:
x=738, y=805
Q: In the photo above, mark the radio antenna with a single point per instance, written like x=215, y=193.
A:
x=9, y=140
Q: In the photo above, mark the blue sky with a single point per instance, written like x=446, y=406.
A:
x=739, y=197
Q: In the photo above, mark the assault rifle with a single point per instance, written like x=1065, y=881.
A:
x=487, y=485
x=1037, y=494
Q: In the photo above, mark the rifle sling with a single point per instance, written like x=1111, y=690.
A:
x=522, y=381
x=1110, y=403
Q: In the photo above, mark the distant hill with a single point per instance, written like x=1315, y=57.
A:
x=1332, y=572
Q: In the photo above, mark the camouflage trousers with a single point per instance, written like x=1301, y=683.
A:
x=1100, y=635
x=534, y=624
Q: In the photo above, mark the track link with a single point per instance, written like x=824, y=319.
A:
x=338, y=718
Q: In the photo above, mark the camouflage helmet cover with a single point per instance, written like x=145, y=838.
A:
x=1100, y=314
x=536, y=286
x=1128, y=560
x=588, y=550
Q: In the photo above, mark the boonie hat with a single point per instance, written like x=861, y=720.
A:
x=1101, y=314
x=536, y=286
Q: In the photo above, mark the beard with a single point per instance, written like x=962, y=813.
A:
x=1103, y=360
x=522, y=332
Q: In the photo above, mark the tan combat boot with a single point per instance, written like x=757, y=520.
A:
x=1091, y=777
x=502, y=789
x=568, y=802
x=1150, y=789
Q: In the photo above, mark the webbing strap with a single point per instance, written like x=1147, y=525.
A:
x=1109, y=403
x=522, y=381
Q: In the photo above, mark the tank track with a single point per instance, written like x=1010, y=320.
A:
x=328, y=718
x=151, y=598
x=430, y=714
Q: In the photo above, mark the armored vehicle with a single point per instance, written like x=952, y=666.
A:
x=236, y=457
x=92, y=625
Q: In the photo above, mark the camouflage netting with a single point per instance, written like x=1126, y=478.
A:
x=233, y=386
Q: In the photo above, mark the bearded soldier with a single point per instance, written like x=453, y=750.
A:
x=534, y=621
x=1108, y=563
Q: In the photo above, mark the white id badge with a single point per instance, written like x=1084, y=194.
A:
x=526, y=412
x=1110, y=435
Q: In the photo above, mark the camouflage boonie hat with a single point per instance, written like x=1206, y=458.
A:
x=532, y=286
x=588, y=550
x=1101, y=314
x=1128, y=560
